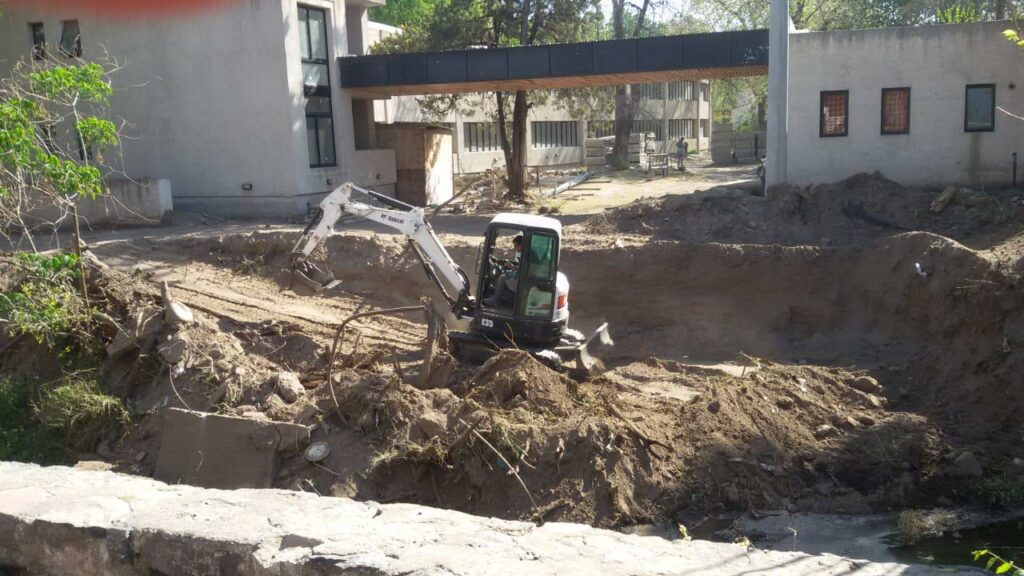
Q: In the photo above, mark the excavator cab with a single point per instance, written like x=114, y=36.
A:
x=522, y=297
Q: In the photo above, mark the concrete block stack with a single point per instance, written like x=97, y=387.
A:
x=596, y=152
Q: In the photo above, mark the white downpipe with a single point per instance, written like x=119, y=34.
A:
x=778, y=93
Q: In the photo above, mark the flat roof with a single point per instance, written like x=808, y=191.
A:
x=580, y=65
x=528, y=221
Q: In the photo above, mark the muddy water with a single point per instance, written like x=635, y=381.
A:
x=876, y=538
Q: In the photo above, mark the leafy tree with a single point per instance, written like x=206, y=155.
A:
x=456, y=24
x=52, y=139
x=403, y=12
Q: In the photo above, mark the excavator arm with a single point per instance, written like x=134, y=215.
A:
x=407, y=220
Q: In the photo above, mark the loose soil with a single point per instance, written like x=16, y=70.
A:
x=831, y=349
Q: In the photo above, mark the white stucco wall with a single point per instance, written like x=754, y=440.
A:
x=213, y=100
x=937, y=63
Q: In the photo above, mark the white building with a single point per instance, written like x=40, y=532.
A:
x=238, y=107
x=920, y=105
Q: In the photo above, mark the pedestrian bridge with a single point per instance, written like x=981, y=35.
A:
x=582, y=65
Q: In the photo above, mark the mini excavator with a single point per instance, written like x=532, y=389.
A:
x=521, y=300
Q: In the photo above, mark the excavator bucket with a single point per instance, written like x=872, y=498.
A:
x=307, y=276
x=588, y=355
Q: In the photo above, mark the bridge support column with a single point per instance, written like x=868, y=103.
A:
x=778, y=93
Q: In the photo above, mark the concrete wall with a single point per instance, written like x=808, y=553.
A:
x=936, y=62
x=731, y=147
x=59, y=520
x=213, y=100
x=127, y=202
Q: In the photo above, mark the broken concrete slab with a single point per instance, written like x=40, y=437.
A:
x=59, y=520
x=216, y=451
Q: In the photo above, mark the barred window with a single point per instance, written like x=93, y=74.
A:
x=600, y=129
x=675, y=129
x=648, y=127
x=675, y=91
x=481, y=136
x=835, y=113
x=651, y=91
x=689, y=128
x=555, y=134
x=689, y=90
x=895, y=110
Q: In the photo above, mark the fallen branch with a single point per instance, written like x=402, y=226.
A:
x=506, y=462
x=338, y=340
x=645, y=440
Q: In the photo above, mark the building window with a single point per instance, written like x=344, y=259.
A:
x=835, y=113
x=480, y=136
x=705, y=128
x=675, y=129
x=316, y=87
x=689, y=91
x=896, y=111
x=555, y=134
x=648, y=127
x=675, y=91
x=980, y=108
x=38, y=41
x=704, y=92
x=70, y=39
x=689, y=128
x=651, y=91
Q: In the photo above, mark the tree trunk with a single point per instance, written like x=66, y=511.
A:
x=1000, y=9
x=627, y=101
x=514, y=150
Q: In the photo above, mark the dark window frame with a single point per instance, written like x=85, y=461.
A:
x=821, y=114
x=884, y=92
x=76, y=46
x=992, y=111
x=547, y=134
x=320, y=91
x=480, y=137
x=38, y=43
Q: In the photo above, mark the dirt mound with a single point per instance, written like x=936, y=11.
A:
x=853, y=211
x=514, y=381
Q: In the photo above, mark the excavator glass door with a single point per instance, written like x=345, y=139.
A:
x=536, y=293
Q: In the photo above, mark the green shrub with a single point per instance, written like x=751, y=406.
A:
x=22, y=438
x=47, y=304
x=1005, y=490
x=77, y=408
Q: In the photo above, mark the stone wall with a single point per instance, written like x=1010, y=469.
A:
x=60, y=520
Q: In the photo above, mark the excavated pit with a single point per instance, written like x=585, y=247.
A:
x=860, y=370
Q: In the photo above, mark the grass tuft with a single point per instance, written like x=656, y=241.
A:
x=78, y=409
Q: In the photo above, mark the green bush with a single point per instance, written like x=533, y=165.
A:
x=1005, y=490
x=77, y=408
x=22, y=438
x=46, y=305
